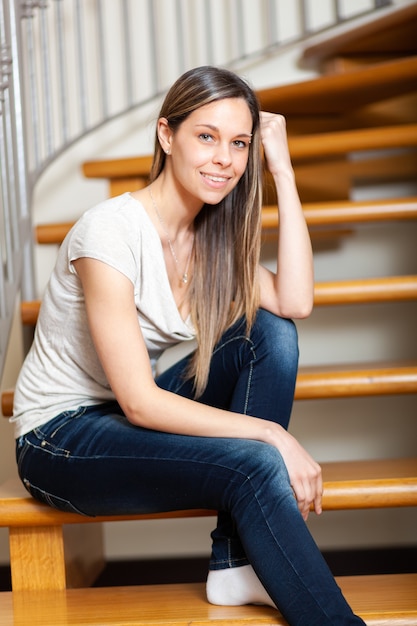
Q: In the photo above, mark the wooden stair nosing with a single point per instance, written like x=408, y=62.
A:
x=333, y=382
x=347, y=212
x=347, y=485
x=118, y=168
x=335, y=94
x=355, y=381
x=322, y=145
x=371, y=290
x=367, y=290
x=379, y=599
x=301, y=148
x=316, y=214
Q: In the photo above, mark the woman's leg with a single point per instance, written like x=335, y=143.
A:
x=95, y=462
x=253, y=375
x=256, y=376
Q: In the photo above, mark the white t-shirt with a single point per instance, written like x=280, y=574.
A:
x=62, y=371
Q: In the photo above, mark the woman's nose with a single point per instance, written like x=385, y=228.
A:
x=222, y=154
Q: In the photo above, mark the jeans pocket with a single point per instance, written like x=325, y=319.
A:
x=56, y=502
x=62, y=420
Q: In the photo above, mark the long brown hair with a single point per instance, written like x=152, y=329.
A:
x=224, y=286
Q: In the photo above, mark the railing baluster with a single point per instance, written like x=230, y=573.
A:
x=209, y=33
x=153, y=47
x=46, y=74
x=33, y=93
x=63, y=91
x=81, y=67
x=103, y=60
x=127, y=53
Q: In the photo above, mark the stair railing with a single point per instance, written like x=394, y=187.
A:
x=68, y=67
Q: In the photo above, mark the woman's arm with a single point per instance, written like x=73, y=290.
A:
x=118, y=339
x=289, y=292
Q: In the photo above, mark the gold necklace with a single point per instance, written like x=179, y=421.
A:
x=184, y=276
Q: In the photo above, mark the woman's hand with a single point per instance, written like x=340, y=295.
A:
x=305, y=474
x=275, y=143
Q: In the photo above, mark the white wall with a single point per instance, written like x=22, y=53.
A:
x=330, y=429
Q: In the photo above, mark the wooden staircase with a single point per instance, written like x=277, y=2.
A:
x=365, y=101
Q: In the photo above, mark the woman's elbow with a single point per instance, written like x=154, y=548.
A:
x=302, y=312
x=296, y=310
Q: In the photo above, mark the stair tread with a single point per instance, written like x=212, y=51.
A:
x=390, y=598
x=391, y=30
x=339, y=93
x=347, y=485
x=380, y=289
x=316, y=214
x=332, y=381
x=301, y=147
x=354, y=380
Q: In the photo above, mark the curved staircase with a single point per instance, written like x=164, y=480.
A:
x=364, y=102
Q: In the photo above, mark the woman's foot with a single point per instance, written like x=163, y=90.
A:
x=236, y=586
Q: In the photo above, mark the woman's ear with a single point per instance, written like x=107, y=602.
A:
x=165, y=135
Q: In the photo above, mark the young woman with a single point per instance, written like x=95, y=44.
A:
x=98, y=432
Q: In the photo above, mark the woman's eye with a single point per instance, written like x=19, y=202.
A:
x=205, y=137
x=239, y=143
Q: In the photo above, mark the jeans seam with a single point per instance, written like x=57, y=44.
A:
x=252, y=349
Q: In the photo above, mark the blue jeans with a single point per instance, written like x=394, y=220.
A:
x=93, y=461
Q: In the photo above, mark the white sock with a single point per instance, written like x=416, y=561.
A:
x=236, y=586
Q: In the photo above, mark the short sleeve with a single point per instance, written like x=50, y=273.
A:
x=106, y=235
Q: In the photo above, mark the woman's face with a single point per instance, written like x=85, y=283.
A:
x=209, y=151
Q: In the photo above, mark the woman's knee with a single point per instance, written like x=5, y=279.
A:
x=278, y=337
x=257, y=459
x=263, y=475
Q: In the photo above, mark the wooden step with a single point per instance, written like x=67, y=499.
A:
x=317, y=180
x=391, y=31
x=355, y=380
x=316, y=214
x=333, y=213
x=389, y=289
x=331, y=382
x=44, y=554
x=379, y=600
x=341, y=93
x=323, y=145
x=347, y=485
x=134, y=171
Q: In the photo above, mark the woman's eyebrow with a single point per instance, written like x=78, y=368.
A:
x=216, y=130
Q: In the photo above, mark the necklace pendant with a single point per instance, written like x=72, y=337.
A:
x=184, y=278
